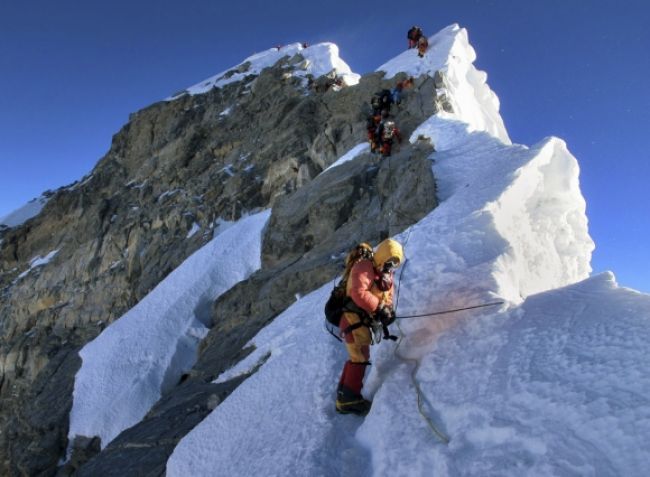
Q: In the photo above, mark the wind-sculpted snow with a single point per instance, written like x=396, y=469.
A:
x=472, y=99
x=512, y=215
x=129, y=364
x=317, y=60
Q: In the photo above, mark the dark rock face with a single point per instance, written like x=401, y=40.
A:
x=257, y=143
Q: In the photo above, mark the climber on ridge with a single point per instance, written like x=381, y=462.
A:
x=381, y=101
x=372, y=123
x=423, y=45
x=369, y=286
x=386, y=132
x=413, y=35
x=396, y=92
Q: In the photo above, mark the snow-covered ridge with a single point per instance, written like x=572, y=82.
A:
x=317, y=60
x=129, y=364
x=466, y=89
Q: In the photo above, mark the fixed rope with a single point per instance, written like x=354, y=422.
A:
x=445, y=312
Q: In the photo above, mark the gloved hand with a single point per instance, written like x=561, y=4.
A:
x=385, y=314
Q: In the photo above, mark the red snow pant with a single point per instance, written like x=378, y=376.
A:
x=357, y=343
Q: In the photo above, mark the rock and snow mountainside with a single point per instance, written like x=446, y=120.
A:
x=553, y=381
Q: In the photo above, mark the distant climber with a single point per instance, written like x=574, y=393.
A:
x=327, y=81
x=396, y=92
x=368, y=310
x=387, y=132
x=381, y=101
x=413, y=35
x=372, y=123
x=423, y=45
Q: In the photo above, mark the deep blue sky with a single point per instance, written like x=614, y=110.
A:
x=72, y=71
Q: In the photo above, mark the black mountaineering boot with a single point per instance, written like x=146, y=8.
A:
x=347, y=402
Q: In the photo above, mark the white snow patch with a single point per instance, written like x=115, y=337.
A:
x=168, y=193
x=131, y=362
x=134, y=185
x=228, y=170
x=195, y=228
x=318, y=60
x=23, y=214
x=38, y=261
x=356, y=151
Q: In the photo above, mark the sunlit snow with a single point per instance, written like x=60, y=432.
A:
x=317, y=60
x=131, y=362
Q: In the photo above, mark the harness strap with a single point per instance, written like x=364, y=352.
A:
x=352, y=327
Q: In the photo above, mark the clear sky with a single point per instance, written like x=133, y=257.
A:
x=72, y=71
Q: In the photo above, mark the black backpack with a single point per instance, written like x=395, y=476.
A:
x=335, y=305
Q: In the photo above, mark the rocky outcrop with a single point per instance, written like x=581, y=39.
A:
x=175, y=168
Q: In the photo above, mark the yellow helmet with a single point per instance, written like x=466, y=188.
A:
x=386, y=250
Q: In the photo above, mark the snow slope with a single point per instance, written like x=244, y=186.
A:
x=318, y=60
x=127, y=366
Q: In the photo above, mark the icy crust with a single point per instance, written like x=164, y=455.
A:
x=131, y=362
x=318, y=60
x=466, y=89
x=24, y=213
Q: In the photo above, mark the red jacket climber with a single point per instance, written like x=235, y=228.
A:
x=370, y=287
